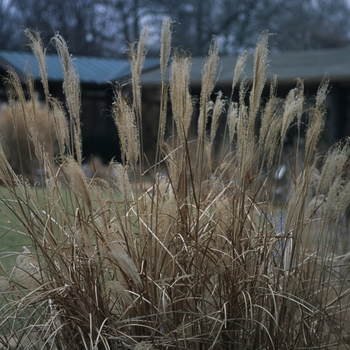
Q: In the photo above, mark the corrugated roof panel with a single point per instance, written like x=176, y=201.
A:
x=20, y=60
x=94, y=70
x=288, y=66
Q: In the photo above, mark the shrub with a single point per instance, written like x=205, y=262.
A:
x=206, y=258
x=17, y=133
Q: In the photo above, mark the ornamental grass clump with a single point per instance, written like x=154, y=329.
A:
x=206, y=257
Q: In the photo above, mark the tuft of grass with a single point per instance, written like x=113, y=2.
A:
x=206, y=257
x=23, y=123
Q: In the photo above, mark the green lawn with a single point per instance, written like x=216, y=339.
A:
x=12, y=237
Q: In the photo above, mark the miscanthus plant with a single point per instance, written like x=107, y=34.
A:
x=207, y=256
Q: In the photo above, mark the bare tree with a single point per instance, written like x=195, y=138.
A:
x=301, y=24
x=122, y=20
x=77, y=21
x=7, y=28
x=105, y=27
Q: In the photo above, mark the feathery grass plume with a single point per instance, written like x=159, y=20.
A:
x=333, y=182
x=116, y=289
x=208, y=83
x=272, y=139
x=162, y=116
x=32, y=130
x=239, y=69
x=122, y=182
x=41, y=129
x=209, y=72
x=28, y=109
x=181, y=99
x=247, y=116
x=167, y=201
x=165, y=47
x=77, y=181
x=71, y=89
x=232, y=114
x=343, y=202
x=232, y=118
x=181, y=102
x=246, y=134
x=292, y=108
x=7, y=175
x=342, y=212
x=316, y=120
x=302, y=190
x=60, y=124
x=165, y=50
x=124, y=118
x=260, y=65
x=270, y=142
x=14, y=88
x=332, y=210
x=245, y=137
x=30, y=85
x=217, y=109
x=269, y=111
x=118, y=112
x=334, y=164
x=118, y=254
x=37, y=46
x=137, y=60
x=300, y=97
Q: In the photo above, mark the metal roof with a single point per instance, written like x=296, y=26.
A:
x=94, y=70
x=308, y=65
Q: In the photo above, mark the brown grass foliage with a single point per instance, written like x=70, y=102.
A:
x=207, y=257
x=17, y=132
